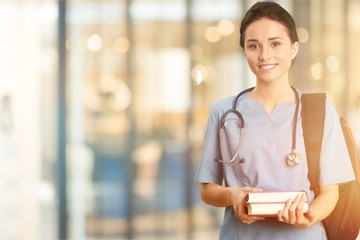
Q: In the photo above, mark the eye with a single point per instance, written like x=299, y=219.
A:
x=254, y=46
x=276, y=44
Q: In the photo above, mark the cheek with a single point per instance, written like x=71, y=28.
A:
x=251, y=58
x=252, y=63
x=285, y=56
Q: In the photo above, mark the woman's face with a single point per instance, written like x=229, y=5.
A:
x=269, y=50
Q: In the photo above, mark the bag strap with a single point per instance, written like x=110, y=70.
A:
x=352, y=147
x=313, y=119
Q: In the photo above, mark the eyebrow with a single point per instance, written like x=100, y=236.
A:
x=269, y=39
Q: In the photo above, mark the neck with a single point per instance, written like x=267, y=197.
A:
x=271, y=95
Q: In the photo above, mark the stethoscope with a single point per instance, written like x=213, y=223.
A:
x=292, y=159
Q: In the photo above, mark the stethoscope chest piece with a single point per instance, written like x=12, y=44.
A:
x=293, y=159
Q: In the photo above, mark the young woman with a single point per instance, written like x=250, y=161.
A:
x=257, y=160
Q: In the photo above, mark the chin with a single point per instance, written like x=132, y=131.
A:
x=266, y=79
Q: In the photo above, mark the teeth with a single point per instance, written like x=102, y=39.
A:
x=266, y=67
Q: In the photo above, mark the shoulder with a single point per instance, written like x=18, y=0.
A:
x=329, y=106
x=218, y=108
x=227, y=103
x=221, y=105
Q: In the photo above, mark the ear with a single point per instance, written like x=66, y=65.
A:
x=294, y=50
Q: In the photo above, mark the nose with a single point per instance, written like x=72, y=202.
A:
x=265, y=54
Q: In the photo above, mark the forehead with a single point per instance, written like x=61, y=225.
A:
x=265, y=28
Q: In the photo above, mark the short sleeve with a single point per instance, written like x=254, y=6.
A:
x=209, y=170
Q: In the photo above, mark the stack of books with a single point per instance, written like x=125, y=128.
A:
x=268, y=204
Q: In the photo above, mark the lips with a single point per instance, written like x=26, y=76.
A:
x=267, y=66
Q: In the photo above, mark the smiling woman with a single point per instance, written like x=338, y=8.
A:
x=270, y=109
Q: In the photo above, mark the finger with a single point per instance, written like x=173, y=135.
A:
x=238, y=212
x=280, y=215
x=257, y=219
x=293, y=209
x=283, y=215
x=246, y=221
x=251, y=220
x=310, y=215
x=300, y=207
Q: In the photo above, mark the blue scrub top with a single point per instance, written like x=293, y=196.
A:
x=266, y=143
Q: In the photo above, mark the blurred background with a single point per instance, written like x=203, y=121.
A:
x=103, y=106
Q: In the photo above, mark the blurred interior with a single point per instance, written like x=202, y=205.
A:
x=104, y=105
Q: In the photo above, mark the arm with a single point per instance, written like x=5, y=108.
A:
x=320, y=208
x=220, y=196
x=325, y=202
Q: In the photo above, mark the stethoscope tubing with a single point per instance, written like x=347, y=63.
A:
x=233, y=110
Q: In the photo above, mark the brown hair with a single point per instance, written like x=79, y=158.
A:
x=272, y=11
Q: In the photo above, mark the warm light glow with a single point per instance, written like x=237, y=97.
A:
x=212, y=34
x=108, y=83
x=316, y=71
x=198, y=74
x=94, y=43
x=333, y=64
x=121, y=93
x=303, y=35
x=225, y=27
x=118, y=88
x=121, y=45
x=122, y=98
x=203, y=73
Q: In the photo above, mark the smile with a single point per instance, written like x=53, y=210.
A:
x=267, y=66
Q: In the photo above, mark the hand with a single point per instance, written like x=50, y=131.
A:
x=293, y=212
x=238, y=196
